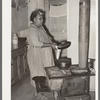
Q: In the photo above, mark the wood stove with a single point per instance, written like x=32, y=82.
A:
x=73, y=86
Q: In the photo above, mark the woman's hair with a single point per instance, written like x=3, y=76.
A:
x=35, y=13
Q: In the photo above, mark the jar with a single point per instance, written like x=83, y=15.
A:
x=15, y=41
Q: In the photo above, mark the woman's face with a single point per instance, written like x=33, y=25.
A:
x=38, y=21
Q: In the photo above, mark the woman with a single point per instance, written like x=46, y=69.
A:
x=40, y=53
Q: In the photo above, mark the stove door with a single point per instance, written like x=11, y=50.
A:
x=74, y=86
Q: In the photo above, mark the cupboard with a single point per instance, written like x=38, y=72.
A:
x=19, y=65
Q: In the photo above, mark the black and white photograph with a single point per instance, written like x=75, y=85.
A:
x=53, y=50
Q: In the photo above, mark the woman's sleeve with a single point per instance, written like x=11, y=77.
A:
x=33, y=36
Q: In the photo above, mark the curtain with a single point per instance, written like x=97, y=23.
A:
x=58, y=21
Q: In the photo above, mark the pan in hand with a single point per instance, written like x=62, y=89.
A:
x=64, y=45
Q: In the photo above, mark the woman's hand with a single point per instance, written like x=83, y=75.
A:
x=54, y=46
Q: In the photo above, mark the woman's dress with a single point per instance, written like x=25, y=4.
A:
x=37, y=56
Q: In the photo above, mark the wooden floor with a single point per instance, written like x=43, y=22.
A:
x=23, y=90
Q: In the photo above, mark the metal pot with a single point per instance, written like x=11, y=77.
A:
x=63, y=63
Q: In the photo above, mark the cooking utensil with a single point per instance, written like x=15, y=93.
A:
x=64, y=44
x=63, y=63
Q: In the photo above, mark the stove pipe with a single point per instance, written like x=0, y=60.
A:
x=84, y=25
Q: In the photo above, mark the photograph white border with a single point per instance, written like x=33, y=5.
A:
x=6, y=49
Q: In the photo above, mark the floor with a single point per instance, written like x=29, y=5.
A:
x=24, y=91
